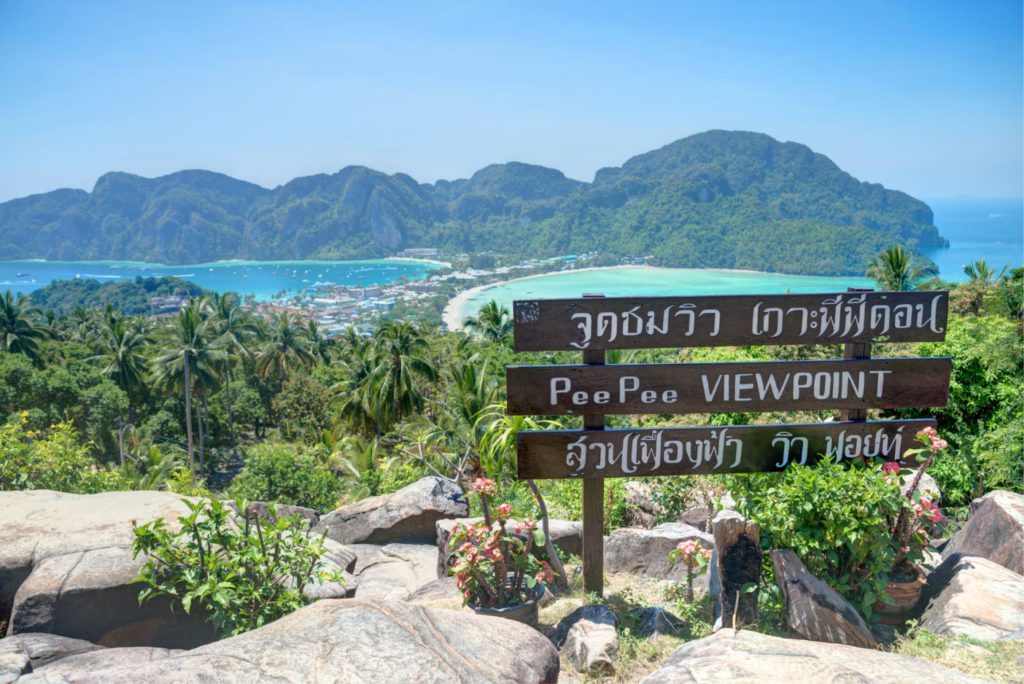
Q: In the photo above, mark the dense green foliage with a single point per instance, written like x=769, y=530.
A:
x=835, y=517
x=282, y=474
x=720, y=198
x=127, y=296
x=241, y=576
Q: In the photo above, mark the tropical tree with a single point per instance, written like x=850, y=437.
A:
x=982, y=278
x=359, y=405
x=287, y=347
x=120, y=344
x=190, y=354
x=399, y=346
x=235, y=328
x=493, y=322
x=895, y=269
x=20, y=331
x=318, y=342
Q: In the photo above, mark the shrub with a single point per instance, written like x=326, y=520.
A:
x=51, y=459
x=243, y=575
x=283, y=473
x=834, y=516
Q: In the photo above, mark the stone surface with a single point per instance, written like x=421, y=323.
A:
x=730, y=656
x=737, y=563
x=408, y=515
x=995, y=530
x=655, y=621
x=697, y=516
x=814, y=610
x=354, y=641
x=71, y=666
x=566, y=535
x=393, y=571
x=260, y=509
x=43, y=649
x=442, y=589
x=927, y=486
x=66, y=568
x=645, y=552
x=641, y=508
x=588, y=640
x=974, y=597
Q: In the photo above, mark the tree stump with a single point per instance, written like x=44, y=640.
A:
x=738, y=558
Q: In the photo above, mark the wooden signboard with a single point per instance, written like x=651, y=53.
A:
x=559, y=454
x=727, y=387
x=653, y=322
x=856, y=319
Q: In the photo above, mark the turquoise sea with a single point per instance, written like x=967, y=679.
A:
x=262, y=279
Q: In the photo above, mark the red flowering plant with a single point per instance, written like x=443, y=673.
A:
x=494, y=562
x=920, y=514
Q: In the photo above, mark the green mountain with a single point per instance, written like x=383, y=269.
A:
x=720, y=198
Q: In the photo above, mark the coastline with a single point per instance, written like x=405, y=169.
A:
x=455, y=310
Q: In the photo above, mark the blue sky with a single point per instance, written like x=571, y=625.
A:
x=924, y=97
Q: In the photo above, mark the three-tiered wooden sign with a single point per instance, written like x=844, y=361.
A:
x=594, y=324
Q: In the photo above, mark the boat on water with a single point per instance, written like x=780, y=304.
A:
x=21, y=275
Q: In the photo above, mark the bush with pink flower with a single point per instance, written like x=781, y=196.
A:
x=494, y=561
x=920, y=515
x=693, y=554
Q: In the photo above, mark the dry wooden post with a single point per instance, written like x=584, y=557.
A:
x=593, y=498
x=856, y=350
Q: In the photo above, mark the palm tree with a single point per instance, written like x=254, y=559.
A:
x=20, y=331
x=121, y=343
x=235, y=327
x=190, y=353
x=359, y=407
x=287, y=347
x=897, y=270
x=399, y=346
x=320, y=345
x=492, y=322
x=982, y=279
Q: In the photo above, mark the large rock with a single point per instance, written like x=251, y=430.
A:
x=393, y=571
x=23, y=653
x=645, y=552
x=407, y=515
x=588, y=639
x=994, y=531
x=357, y=641
x=730, y=656
x=261, y=510
x=70, y=667
x=566, y=535
x=66, y=568
x=641, y=508
x=974, y=597
x=815, y=610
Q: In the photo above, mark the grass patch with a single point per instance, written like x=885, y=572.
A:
x=997, y=661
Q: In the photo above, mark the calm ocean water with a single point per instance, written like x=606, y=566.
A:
x=260, y=278
x=977, y=229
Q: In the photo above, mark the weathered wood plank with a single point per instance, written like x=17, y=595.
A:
x=714, y=387
x=653, y=322
x=555, y=454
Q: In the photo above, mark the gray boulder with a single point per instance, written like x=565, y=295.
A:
x=995, y=530
x=641, y=508
x=588, y=639
x=645, y=552
x=354, y=641
x=66, y=568
x=407, y=515
x=43, y=649
x=69, y=668
x=974, y=597
x=261, y=510
x=393, y=571
x=442, y=589
x=655, y=621
x=814, y=610
x=730, y=656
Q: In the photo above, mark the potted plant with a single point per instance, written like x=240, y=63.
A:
x=910, y=532
x=494, y=567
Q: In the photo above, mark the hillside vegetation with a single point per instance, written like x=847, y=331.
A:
x=716, y=199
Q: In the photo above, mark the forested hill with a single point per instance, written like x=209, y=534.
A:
x=716, y=199
x=128, y=296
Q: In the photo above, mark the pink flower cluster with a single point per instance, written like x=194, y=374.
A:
x=928, y=509
x=937, y=444
x=485, y=486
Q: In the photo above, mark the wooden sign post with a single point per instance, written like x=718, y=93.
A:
x=593, y=324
